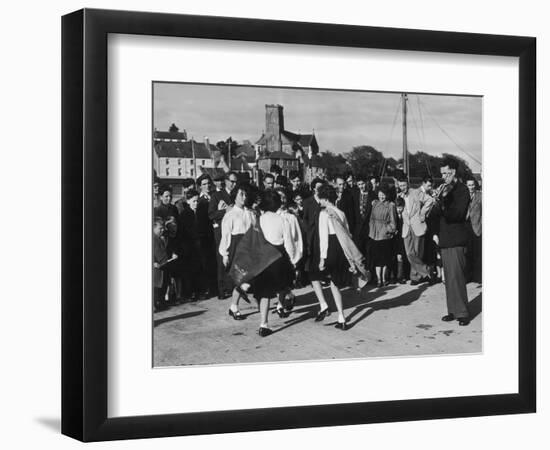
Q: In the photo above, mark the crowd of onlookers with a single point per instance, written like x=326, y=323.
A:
x=395, y=227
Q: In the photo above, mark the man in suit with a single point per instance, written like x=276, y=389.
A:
x=418, y=203
x=187, y=184
x=296, y=187
x=219, y=201
x=344, y=201
x=453, y=200
x=362, y=207
x=474, y=222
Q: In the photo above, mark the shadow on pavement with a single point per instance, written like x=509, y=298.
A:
x=158, y=322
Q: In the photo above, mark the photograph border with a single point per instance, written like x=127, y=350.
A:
x=84, y=224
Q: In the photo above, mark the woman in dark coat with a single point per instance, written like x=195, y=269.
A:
x=382, y=227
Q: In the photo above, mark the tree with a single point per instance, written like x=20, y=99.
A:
x=365, y=160
x=334, y=164
x=173, y=128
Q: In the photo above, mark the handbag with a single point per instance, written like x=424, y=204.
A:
x=252, y=256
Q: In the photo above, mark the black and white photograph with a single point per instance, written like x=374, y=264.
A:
x=300, y=224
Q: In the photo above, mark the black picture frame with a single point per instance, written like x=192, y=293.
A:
x=84, y=224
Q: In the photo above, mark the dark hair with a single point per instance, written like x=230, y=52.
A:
x=316, y=181
x=270, y=201
x=282, y=180
x=472, y=178
x=191, y=193
x=239, y=187
x=362, y=178
x=294, y=174
x=187, y=183
x=327, y=192
x=384, y=188
x=275, y=169
x=402, y=180
x=450, y=162
x=203, y=177
x=165, y=188
x=399, y=202
x=228, y=174
x=427, y=180
x=349, y=174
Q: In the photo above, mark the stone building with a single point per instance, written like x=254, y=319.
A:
x=288, y=150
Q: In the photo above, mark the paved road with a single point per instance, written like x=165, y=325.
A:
x=395, y=320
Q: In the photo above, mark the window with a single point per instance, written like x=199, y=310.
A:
x=203, y=162
x=179, y=162
x=167, y=171
x=191, y=170
x=167, y=161
x=179, y=172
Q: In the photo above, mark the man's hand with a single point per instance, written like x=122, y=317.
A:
x=222, y=205
x=322, y=264
x=225, y=260
x=436, y=239
x=156, y=265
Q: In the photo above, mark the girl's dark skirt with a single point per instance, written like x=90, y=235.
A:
x=235, y=239
x=336, y=264
x=275, y=278
x=382, y=252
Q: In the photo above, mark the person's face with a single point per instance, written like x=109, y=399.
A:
x=193, y=202
x=299, y=200
x=166, y=197
x=361, y=185
x=340, y=185
x=206, y=184
x=240, y=199
x=218, y=184
x=156, y=188
x=158, y=229
x=471, y=186
x=350, y=181
x=381, y=196
x=399, y=210
x=374, y=183
x=231, y=182
x=428, y=186
x=403, y=186
x=447, y=174
x=268, y=183
x=316, y=188
x=283, y=198
x=295, y=183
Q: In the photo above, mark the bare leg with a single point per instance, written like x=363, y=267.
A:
x=338, y=301
x=235, y=296
x=317, y=288
x=384, y=274
x=264, y=309
x=379, y=274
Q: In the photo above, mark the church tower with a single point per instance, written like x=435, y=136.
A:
x=274, y=126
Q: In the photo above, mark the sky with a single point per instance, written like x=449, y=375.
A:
x=341, y=120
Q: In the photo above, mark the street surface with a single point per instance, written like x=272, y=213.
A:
x=397, y=320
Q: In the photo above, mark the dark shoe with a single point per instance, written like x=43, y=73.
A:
x=379, y=284
x=321, y=315
x=342, y=326
x=263, y=331
x=448, y=318
x=289, y=303
x=236, y=315
x=464, y=321
x=402, y=281
x=386, y=283
x=415, y=282
x=281, y=313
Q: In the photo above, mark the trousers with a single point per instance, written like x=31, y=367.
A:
x=454, y=266
x=414, y=247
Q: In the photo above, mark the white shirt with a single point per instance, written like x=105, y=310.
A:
x=235, y=221
x=326, y=228
x=295, y=248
